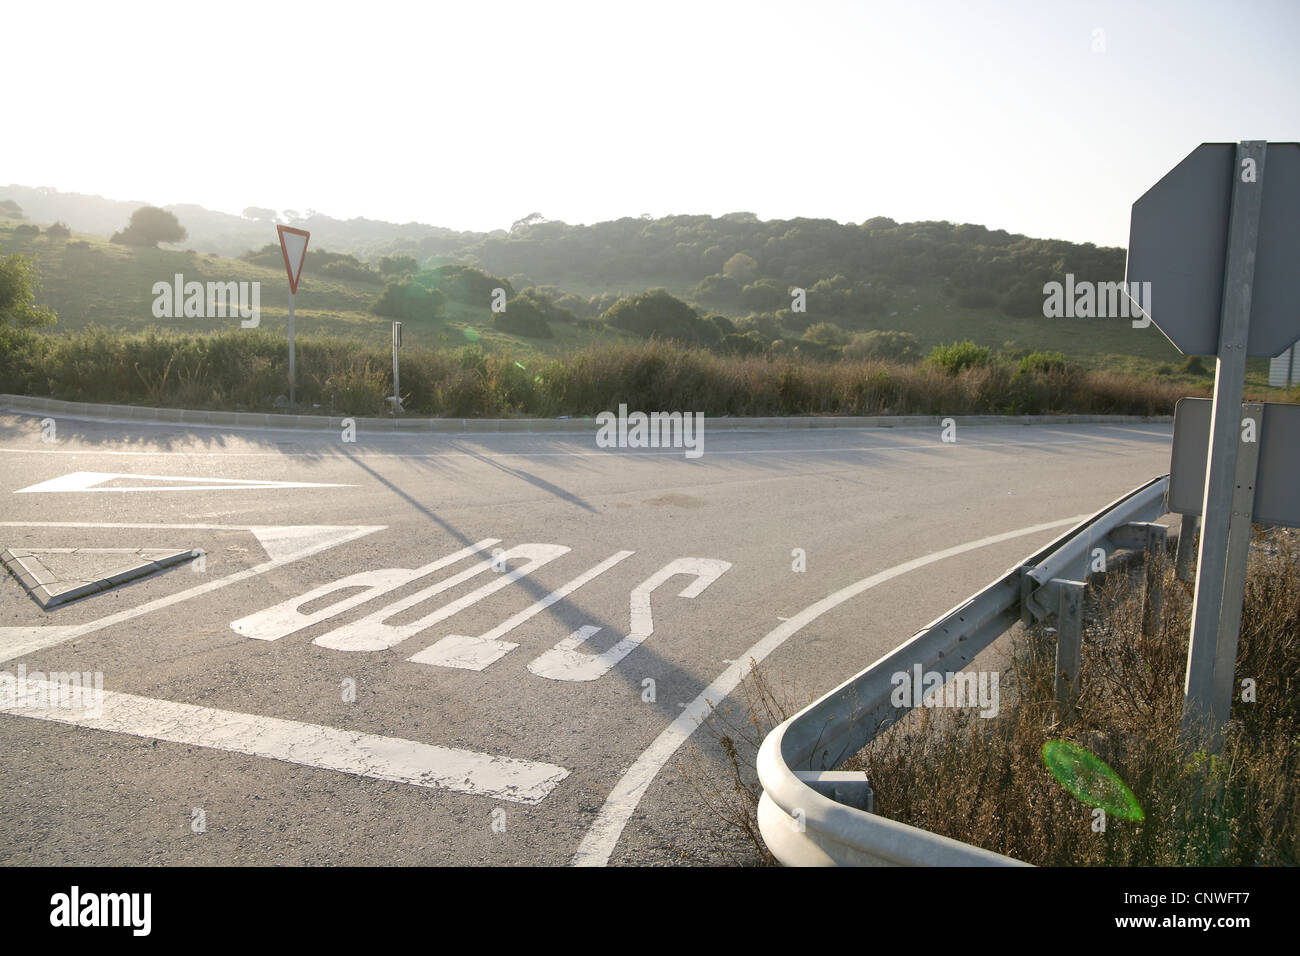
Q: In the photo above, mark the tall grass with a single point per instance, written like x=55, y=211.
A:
x=983, y=781
x=248, y=369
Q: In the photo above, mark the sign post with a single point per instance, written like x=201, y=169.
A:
x=1225, y=531
x=293, y=244
x=1221, y=263
x=397, y=391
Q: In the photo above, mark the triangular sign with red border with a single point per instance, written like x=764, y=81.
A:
x=293, y=243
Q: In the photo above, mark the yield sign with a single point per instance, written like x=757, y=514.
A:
x=293, y=243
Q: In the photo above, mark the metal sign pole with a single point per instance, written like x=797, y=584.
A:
x=291, y=377
x=397, y=390
x=1209, y=609
x=1234, y=584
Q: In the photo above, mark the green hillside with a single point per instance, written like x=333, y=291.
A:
x=937, y=282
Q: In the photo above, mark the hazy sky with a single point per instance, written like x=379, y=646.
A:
x=1018, y=115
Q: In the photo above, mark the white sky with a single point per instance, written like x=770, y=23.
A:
x=474, y=114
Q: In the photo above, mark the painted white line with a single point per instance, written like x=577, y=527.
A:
x=373, y=633
x=476, y=653
x=311, y=539
x=565, y=662
x=91, y=481
x=621, y=453
x=602, y=836
x=310, y=745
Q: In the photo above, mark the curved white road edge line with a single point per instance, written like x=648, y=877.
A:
x=598, y=845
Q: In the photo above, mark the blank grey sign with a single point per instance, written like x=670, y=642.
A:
x=1277, y=483
x=1178, y=241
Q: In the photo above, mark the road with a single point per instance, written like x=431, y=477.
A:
x=472, y=649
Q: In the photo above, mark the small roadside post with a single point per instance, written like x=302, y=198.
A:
x=293, y=245
x=1219, y=249
x=397, y=390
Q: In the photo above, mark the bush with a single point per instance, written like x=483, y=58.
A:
x=1194, y=366
x=409, y=301
x=958, y=356
x=465, y=284
x=657, y=314
x=58, y=230
x=27, y=231
x=1045, y=362
x=826, y=333
x=354, y=271
x=884, y=345
x=18, y=294
x=523, y=317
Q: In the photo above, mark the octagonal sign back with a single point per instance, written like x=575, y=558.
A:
x=1178, y=240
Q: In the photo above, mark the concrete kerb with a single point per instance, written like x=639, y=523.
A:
x=139, y=414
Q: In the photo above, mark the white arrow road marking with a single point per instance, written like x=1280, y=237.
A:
x=285, y=618
x=565, y=662
x=311, y=745
x=372, y=634
x=602, y=836
x=91, y=480
x=476, y=653
x=312, y=539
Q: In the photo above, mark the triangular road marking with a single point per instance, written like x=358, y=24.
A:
x=91, y=480
x=290, y=542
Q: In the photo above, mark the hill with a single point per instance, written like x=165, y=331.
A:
x=938, y=282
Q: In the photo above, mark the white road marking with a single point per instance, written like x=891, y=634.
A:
x=602, y=836
x=372, y=633
x=91, y=480
x=476, y=653
x=19, y=641
x=565, y=662
x=310, y=745
x=284, y=618
x=929, y=445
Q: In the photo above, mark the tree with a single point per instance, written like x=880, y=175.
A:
x=656, y=313
x=826, y=333
x=523, y=316
x=18, y=295
x=11, y=209
x=398, y=265
x=409, y=301
x=260, y=214
x=58, y=230
x=149, y=226
x=741, y=267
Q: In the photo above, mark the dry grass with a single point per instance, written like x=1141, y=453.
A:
x=983, y=781
x=728, y=788
x=249, y=370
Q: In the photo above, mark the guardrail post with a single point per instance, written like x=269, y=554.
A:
x=1154, y=577
x=1186, y=547
x=1069, y=642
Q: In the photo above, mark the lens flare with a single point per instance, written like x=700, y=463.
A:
x=1090, y=779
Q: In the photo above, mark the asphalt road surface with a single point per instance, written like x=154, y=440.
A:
x=453, y=649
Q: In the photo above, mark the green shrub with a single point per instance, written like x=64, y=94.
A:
x=1045, y=362
x=523, y=316
x=958, y=356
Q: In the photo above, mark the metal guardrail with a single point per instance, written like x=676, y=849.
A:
x=812, y=815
